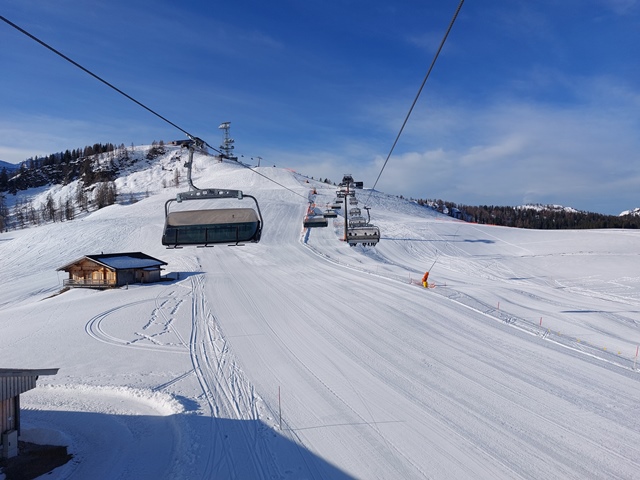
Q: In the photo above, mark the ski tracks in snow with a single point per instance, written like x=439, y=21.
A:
x=229, y=396
x=97, y=327
x=226, y=391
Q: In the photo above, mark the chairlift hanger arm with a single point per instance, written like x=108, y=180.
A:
x=209, y=193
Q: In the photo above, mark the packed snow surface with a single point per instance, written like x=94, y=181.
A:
x=302, y=357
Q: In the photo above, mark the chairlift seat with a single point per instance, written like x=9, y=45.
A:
x=312, y=221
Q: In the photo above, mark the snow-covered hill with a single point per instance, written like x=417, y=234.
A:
x=302, y=357
x=539, y=207
x=634, y=212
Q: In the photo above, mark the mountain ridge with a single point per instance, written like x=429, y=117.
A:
x=100, y=163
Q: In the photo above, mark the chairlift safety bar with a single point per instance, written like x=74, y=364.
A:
x=208, y=193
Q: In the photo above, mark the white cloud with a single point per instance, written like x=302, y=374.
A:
x=621, y=7
x=582, y=154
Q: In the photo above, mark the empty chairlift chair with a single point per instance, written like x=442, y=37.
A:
x=368, y=235
x=208, y=227
x=358, y=221
x=311, y=220
x=361, y=231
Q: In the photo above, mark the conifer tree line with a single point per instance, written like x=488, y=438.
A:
x=539, y=217
x=64, y=167
x=95, y=167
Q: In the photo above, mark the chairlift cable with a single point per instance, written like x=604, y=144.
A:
x=415, y=100
x=97, y=77
x=100, y=79
x=434, y=262
x=272, y=180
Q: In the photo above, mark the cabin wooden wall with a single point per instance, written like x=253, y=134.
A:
x=10, y=389
x=152, y=276
x=89, y=270
x=8, y=417
x=13, y=385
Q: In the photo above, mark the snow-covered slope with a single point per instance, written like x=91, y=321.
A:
x=302, y=357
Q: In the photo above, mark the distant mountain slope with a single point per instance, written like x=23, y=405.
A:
x=11, y=167
x=540, y=217
x=75, y=172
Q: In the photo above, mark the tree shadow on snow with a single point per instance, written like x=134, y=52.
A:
x=478, y=240
x=175, y=277
x=186, y=445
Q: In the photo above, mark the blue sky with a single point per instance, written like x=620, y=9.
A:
x=529, y=102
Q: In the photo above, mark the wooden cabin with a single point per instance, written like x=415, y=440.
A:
x=112, y=270
x=13, y=382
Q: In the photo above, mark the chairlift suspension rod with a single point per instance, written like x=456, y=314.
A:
x=434, y=262
x=346, y=215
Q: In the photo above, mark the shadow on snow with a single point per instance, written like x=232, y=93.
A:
x=177, y=446
x=479, y=240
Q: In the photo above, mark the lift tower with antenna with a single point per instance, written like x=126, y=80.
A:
x=227, y=142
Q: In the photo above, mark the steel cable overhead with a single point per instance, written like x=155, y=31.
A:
x=100, y=79
x=57, y=52
x=415, y=100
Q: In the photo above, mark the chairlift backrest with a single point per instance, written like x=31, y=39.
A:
x=366, y=235
x=211, y=226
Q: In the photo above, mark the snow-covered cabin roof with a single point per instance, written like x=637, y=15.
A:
x=121, y=261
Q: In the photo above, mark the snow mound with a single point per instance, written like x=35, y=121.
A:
x=79, y=394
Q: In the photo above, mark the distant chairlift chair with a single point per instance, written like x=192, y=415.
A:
x=367, y=235
x=311, y=220
x=361, y=231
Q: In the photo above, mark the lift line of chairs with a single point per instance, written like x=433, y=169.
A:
x=359, y=229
